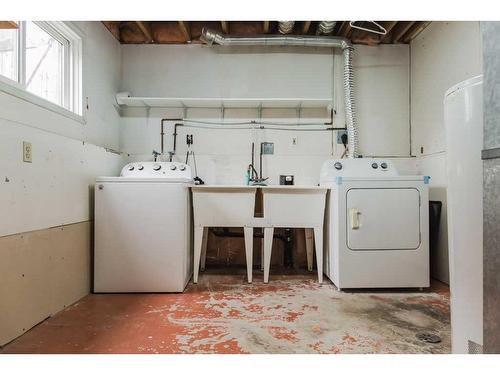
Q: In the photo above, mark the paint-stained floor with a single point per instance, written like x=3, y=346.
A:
x=223, y=314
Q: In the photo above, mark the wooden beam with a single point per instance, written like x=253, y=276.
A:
x=400, y=30
x=225, y=27
x=345, y=29
x=146, y=30
x=8, y=25
x=415, y=30
x=186, y=30
x=389, y=25
x=305, y=27
x=265, y=27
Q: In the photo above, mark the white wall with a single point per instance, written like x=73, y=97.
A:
x=223, y=155
x=67, y=155
x=382, y=77
x=444, y=54
x=49, y=268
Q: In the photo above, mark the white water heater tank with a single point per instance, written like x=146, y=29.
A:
x=463, y=115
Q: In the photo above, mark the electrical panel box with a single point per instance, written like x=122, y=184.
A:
x=267, y=148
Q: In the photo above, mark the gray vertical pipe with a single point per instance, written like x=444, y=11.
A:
x=491, y=187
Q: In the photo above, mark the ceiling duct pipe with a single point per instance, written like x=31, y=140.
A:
x=285, y=27
x=325, y=27
x=212, y=37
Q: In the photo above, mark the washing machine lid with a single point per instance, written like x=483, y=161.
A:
x=153, y=172
x=149, y=180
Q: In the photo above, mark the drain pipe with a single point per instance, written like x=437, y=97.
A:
x=211, y=37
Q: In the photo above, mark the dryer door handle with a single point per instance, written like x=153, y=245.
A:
x=354, y=214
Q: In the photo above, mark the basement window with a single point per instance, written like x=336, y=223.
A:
x=41, y=63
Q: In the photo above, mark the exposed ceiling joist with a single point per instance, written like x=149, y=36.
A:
x=8, y=25
x=400, y=30
x=146, y=30
x=389, y=26
x=181, y=32
x=265, y=27
x=305, y=27
x=186, y=30
x=225, y=27
x=344, y=29
x=415, y=30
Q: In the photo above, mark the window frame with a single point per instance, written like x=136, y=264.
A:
x=72, y=95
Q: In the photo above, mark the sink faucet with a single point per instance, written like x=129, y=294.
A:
x=155, y=155
x=255, y=178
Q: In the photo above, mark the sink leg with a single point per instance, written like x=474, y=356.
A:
x=248, y=231
x=268, y=246
x=204, y=243
x=318, y=240
x=309, y=234
x=198, y=239
x=262, y=254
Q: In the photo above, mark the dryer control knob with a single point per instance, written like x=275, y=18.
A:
x=374, y=165
x=130, y=167
x=156, y=167
x=384, y=165
x=338, y=166
x=173, y=167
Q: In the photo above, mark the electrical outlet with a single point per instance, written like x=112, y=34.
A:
x=295, y=141
x=27, y=152
x=340, y=133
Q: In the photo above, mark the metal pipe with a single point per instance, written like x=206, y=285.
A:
x=162, y=133
x=211, y=37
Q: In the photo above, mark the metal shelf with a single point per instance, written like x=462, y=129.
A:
x=296, y=103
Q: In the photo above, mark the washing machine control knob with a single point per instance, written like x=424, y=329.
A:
x=338, y=165
x=140, y=167
x=384, y=165
x=374, y=165
x=182, y=167
x=156, y=167
x=130, y=167
x=173, y=167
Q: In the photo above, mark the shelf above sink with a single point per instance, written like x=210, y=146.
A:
x=296, y=103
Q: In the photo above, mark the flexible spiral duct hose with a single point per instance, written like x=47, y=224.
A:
x=350, y=110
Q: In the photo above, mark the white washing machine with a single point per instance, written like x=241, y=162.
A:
x=143, y=229
x=376, y=227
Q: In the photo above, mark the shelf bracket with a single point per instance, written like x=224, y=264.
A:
x=222, y=111
x=299, y=112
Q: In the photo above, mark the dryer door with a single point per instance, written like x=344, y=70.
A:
x=383, y=219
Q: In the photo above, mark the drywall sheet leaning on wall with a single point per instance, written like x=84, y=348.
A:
x=42, y=272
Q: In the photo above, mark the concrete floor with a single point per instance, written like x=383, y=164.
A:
x=223, y=314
